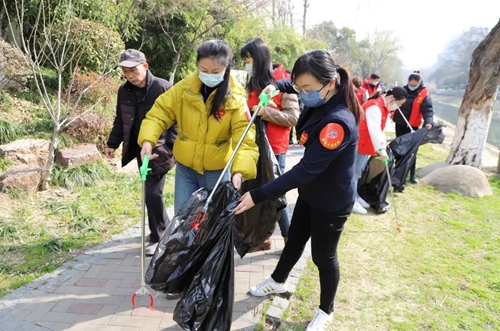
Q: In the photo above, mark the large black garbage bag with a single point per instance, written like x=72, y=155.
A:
x=404, y=148
x=374, y=184
x=182, y=248
x=257, y=224
x=435, y=135
x=207, y=303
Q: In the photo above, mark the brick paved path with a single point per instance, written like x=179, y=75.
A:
x=93, y=293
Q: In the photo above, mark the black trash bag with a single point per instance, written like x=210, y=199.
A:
x=254, y=226
x=435, y=135
x=182, y=248
x=405, y=148
x=207, y=303
x=374, y=184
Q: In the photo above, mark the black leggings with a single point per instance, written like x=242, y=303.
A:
x=324, y=229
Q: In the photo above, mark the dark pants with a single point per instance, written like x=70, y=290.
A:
x=402, y=129
x=157, y=213
x=284, y=221
x=324, y=229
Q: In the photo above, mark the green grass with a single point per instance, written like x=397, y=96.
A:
x=9, y=132
x=44, y=232
x=440, y=273
x=5, y=164
x=83, y=176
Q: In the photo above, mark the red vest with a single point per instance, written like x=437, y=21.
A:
x=365, y=145
x=360, y=93
x=279, y=136
x=416, y=114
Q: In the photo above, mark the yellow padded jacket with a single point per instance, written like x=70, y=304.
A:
x=203, y=143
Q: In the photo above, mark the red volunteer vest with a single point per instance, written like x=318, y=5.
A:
x=360, y=93
x=365, y=144
x=416, y=113
x=278, y=136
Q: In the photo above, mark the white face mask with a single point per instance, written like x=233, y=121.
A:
x=249, y=68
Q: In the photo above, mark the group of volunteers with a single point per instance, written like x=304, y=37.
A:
x=196, y=124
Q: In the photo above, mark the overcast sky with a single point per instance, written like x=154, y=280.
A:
x=424, y=27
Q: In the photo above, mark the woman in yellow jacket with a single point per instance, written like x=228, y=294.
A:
x=210, y=109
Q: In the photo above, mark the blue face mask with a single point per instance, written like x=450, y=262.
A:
x=412, y=88
x=211, y=80
x=249, y=68
x=312, y=99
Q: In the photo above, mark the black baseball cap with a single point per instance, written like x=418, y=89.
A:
x=132, y=58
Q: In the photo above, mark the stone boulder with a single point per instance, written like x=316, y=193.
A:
x=29, y=152
x=432, y=167
x=23, y=177
x=77, y=156
x=464, y=180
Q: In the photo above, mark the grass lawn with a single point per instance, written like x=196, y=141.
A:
x=39, y=233
x=441, y=273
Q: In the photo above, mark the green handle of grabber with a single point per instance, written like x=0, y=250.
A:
x=264, y=98
x=386, y=160
x=144, y=169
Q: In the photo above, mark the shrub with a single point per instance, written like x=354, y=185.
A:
x=91, y=128
x=13, y=68
x=102, y=89
x=84, y=176
x=8, y=132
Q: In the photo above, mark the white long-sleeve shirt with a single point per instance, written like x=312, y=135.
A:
x=374, y=122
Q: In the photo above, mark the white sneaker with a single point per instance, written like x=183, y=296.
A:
x=320, y=320
x=358, y=208
x=362, y=202
x=266, y=287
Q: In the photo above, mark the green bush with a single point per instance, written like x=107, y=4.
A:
x=84, y=176
x=8, y=132
x=5, y=164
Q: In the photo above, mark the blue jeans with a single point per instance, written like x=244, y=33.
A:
x=284, y=221
x=188, y=181
x=361, y=161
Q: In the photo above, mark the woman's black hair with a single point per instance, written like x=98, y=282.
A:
x=320, y=64
x=262, y=72
x=398, y=92
x=220, y=52
x=374, y=76
x=415, y=76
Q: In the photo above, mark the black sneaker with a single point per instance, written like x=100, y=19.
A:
x=172, y=296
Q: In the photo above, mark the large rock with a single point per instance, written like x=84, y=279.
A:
x=30, y=152
x=432, y=167
x=464, y=180
x=24, y=178
x=77, y=156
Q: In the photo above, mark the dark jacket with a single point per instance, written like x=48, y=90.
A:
x=132, y=105
x=325, y=177
x=426, y=107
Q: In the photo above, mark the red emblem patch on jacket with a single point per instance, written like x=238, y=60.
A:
x=222, y=112
x=303, y=138
x=331, y=136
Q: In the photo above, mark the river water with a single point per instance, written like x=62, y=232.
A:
x=449, y=113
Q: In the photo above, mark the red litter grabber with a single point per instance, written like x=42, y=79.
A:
x=144, y=169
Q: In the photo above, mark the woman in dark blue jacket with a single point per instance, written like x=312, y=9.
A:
x=325, y=176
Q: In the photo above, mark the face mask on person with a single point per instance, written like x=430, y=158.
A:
x=374, y=84
x=312, y=99
x=211, y=80
x=392, y=105
x=412, y=88
x=249, y=68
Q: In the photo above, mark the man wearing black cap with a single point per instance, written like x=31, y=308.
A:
x=135, y=98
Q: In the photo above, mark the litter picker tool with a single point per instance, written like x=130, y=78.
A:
x=391, y=189
x=144, y=169
x=407, y=123
x=264, y=100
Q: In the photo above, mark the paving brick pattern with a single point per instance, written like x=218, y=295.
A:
x=94, y=292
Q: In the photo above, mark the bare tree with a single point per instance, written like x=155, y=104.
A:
x=477, y=104
x=304, y=17
x=51, y=43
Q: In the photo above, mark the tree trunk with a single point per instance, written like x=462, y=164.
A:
x=474, y=115
x=304, y=18
x=175, y=64
x=44, y=184
x=498, y=165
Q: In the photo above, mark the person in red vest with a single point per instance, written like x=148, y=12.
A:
x=372, y=140
x=280, y=119
x=372, y=84
x=417, y=107
x=361, y=92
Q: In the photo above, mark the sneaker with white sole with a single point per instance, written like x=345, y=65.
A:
x=266, y=287
x=358, y=209
x=362, y=202
x=320, y=320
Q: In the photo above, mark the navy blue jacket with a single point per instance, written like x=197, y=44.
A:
x=325, y=177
